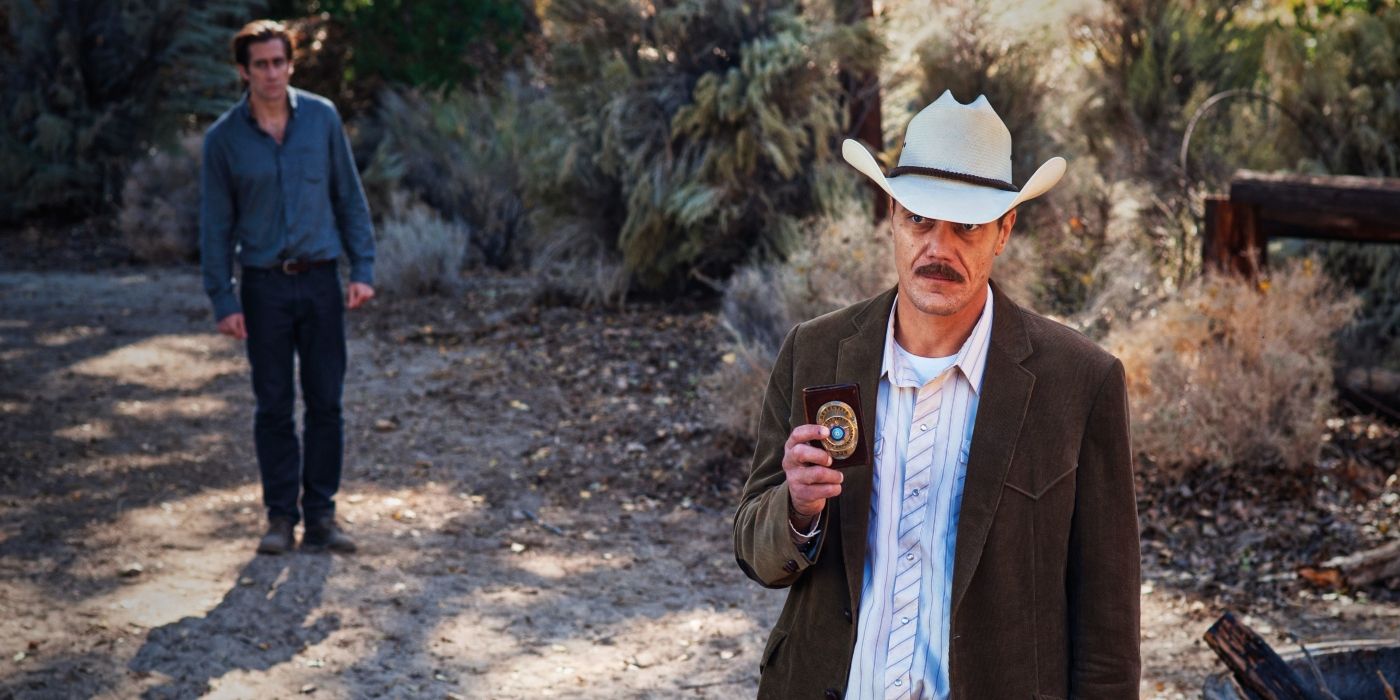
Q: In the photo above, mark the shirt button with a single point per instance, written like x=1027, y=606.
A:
x=923, y=426
x=898, y=682
x=903, y=620
x=910, y=557
x=915, y=492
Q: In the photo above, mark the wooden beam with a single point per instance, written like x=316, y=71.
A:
x=1337, y=207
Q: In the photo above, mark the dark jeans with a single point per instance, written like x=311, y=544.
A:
x=290, y=318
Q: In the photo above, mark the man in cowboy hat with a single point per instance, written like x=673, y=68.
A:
x=989, y=548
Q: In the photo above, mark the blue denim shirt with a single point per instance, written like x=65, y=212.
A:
x=263, y=202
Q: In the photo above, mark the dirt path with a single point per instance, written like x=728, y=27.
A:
x=540, y=508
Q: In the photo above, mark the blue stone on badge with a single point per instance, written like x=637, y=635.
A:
x=838, y=433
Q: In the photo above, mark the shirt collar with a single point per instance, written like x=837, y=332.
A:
x=971, y=358
x=246, y=109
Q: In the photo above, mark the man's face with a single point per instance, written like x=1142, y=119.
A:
x=944, y=266
x=268, y=69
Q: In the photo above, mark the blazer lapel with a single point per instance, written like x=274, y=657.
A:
x=1006, y=394
x=858, y=359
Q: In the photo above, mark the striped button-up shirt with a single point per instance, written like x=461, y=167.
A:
x=900, y=482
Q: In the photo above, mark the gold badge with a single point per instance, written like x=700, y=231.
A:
x=842, y=431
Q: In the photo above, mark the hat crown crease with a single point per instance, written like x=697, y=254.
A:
x=969, y=139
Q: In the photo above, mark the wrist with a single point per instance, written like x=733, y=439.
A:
x=800, y=520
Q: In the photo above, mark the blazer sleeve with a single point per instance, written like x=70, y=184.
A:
x=1104, y=569
x=763, y=543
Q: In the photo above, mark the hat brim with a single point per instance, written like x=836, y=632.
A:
x=951, y=200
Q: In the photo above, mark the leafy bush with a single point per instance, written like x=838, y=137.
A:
x=459, y=154
x=1154, y=62
x=159, y=214
x=418, y=252
x=968, y=55
x=1339, y=76
x=1339, y=73
x=1373, y=338
x=696, y=124
x=87, y=87
x=1235, y=374
x=435, y=44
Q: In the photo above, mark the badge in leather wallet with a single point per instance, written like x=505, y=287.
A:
x=837, y=406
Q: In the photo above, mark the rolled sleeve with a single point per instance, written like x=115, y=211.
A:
x=763, y=540
x=216, y=222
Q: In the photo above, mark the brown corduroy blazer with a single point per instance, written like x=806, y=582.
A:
x=1046, y=569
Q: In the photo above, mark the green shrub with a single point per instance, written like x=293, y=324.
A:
x=1151, y=64
x=696, y=124
x=159, y=214
x=1340, y=76
x=459, y=154
x=1338, y=71
x=86, y=87
x=1234, y=374
x=1155, y=62
x=434, y=44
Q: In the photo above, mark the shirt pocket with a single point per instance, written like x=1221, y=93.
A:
x=313, y=169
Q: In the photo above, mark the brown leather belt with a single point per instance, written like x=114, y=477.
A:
x=296, y=267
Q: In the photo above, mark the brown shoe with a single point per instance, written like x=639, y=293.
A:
x=279, y=537
x=326, y=534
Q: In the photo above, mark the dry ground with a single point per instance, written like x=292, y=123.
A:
x=541, y=509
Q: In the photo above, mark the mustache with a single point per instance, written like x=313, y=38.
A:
x=941, y=271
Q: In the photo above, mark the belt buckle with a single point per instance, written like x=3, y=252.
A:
x=291, y=266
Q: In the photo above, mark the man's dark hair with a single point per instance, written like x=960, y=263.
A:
x=259, y=31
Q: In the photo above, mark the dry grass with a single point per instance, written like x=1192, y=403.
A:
x=838, y=262
x=1235, y=373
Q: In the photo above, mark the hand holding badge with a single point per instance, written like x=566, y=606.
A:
x=836, y=407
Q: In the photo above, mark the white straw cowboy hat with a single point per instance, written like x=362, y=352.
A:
x=956, y=164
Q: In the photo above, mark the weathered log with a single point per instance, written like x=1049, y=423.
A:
x=1262, y=206
x=1355, y=570
x=1256, y=666
x=1339, y=207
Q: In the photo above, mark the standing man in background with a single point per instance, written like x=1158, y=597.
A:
x=279, y=191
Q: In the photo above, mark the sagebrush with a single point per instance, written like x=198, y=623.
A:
x=837, y=262
x=1235, y=373
x=418, y=252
